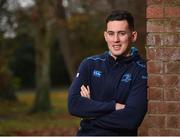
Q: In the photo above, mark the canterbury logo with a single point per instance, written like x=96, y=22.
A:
x=97, y=73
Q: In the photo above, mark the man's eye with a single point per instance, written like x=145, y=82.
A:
x=122, y=33
x=110, y=34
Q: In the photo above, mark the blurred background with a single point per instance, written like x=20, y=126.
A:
x=42, y=43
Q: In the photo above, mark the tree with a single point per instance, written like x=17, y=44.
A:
x=35, y=21
x=42, y=48
x=63, y=36
x=52, y=24
x=40, y=20
x=48, y=18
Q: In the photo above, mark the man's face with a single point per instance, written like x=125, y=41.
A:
x=119, y=37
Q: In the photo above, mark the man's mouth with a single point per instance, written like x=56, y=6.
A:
x=116, y=47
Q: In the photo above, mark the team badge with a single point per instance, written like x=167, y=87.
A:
x=97, y=73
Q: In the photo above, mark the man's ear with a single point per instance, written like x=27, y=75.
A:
x=105, y=35
x=134, y=36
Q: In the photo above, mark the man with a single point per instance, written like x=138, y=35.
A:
x=109, y=92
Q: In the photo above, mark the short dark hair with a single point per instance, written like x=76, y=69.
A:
x=121, y=15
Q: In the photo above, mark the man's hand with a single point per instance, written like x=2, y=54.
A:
x=85, y=91
x=119, y=106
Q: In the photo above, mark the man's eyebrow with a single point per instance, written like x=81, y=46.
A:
x=116, y=32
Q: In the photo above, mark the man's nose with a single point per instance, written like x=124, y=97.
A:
x=116, y=38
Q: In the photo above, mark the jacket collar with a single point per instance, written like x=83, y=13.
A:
x=122, y=59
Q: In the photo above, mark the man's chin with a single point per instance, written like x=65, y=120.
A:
x=117, y=54
x=120, y=53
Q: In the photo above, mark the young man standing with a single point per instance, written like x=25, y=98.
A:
x=109, y=92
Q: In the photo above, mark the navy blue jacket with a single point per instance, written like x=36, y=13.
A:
x=123, y=80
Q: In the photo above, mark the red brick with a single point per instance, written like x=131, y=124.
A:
x=155, y=26
x=155, y=93
x=177, y=39
x=172, y=25
x=171, y=94
x=163, y=132
x=163, y=54
x=171, y=80
x=156, y=121
x=154, y=53
x=155, y=40
x=150, y=40
x=172, y=2
x=171, y=39
x=155, y=80
x=171, y=54
x=154, y=12
x=153, y=132
x=173, y=122
x=156, y=107
x=172, y=12
x=142, y=131
x=172, y=107
x=154, y=2
x=172, y=67
x=151, y=53
x=160, y=39
x=155, y=67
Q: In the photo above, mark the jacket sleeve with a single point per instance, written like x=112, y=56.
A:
x=135, y=108
x=81, y=106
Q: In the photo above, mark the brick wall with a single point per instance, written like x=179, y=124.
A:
x=163, y=54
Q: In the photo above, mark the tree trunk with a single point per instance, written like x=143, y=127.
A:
x=64, y=38
x=65, y=50
x=42, y=100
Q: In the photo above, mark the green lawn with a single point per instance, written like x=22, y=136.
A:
x=15, y=119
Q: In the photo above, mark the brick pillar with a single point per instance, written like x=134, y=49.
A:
x=163, y=55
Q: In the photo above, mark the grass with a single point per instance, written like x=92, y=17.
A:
x=15, y=120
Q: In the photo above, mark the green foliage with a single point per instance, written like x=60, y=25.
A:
x=86, y=33
x=16, y=83
x=22, y=63
x=86, y=38
x=9, y=84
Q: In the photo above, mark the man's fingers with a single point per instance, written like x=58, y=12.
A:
x=88, y=89
x=82, y=94
x=85, y=92
x=83, y=88
x=119, y=106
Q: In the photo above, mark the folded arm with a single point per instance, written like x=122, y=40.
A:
x=85, y=92
x=83, y=106
x=135, y=108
